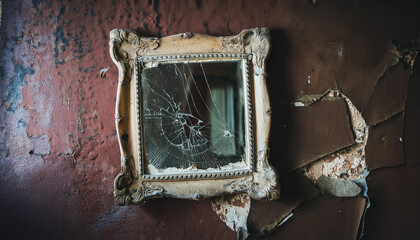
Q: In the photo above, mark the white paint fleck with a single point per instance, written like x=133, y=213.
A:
x=102, y=72
x=298, y=104
x=340, y=51
x=285, y=219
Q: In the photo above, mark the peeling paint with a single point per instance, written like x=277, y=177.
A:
x=234, y=210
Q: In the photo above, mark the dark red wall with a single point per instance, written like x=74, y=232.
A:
x=58, y=146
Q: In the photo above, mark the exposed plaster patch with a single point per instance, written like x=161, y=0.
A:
x=234, y=210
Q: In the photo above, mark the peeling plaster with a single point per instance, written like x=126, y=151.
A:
x=234, y=210
x=333, y=173
x=348, y=163
x=343, y=173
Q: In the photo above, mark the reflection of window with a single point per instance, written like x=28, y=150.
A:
x=228, y=97
x=223, y=96
x=226, y=132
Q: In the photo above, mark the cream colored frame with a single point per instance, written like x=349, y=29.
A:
x=130, y=52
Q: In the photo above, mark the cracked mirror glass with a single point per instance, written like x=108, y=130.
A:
x=193, y=115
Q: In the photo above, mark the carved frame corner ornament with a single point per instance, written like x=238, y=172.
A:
x=129, y=52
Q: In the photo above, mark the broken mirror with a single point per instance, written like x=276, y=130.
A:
x=192, y=116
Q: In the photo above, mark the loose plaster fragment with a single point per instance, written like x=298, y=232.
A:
x=338, y=169
x=338, y=187
x=348, y=163
x=234, y=210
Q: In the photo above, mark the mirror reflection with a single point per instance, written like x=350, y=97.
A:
x=193, y=115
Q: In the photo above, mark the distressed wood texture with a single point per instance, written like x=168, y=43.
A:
x=132, y=186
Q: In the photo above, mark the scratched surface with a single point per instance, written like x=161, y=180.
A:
x=58, y=145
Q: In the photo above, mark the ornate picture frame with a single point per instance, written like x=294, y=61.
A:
x=132, y=54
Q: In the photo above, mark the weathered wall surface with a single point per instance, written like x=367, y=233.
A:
x=59, y=152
